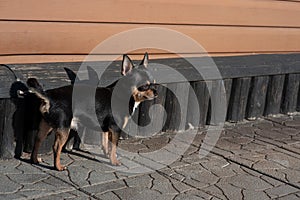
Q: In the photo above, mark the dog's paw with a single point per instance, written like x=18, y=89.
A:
x=36, y=160
x=61, y=168
x=116, y=162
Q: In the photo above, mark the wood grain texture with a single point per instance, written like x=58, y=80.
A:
x=238, y=100
x=176, y=105
x=231, y=12
x=290, y=93
x=52, y=75
x=7, y=142
x=62, y=31
x=201, y=90
x=219, y=100
x=31, y=38
x=151, y=123
x=274, y=95
x=257, y=97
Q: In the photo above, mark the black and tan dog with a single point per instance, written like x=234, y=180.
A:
x=60, y=115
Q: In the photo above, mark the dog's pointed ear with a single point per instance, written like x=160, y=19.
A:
x=93, y=76
x=127, y=65
x=71, y=75
x=33, y=83
x=145, y=60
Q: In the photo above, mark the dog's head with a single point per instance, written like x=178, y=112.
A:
x=139, y=78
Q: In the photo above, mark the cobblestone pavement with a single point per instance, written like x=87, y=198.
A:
x=253, y=160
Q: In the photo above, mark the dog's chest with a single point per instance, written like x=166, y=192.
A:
x=75, y=123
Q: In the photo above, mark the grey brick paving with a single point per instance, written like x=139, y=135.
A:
x=253, y=160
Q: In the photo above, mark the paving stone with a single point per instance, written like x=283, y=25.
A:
x=95, y=177
x=28, y=178
x=188, y=196
x=144, y=181
x=80, y=195
x=229, y=190
x=268, y=147
x=191, y=159
x=272, y=134
x=41, y=186
x=284, y=160
x=128, y=164
x=133, y=147
x=8, y=186
x=42, y=193
x=292, y=176
x=289, y=197
x=142, y=193
x=178, y=163
x=292, y=123
x=162, y=156
x=193, y=194
x=197, y=175
x=265, y=164
x=106, y=187
x=254, y=195
x=172, y=174
x=271, y=181
x=11, y=196
x=133, y=193
x=107, y=196
x=228, y=145
x=64, y=195
x=248, y=182
x=26, y=168
x=150, y=165
x=163, y=185
x=215, y=192
x=281, y=191
x=54, y=181
x=9, y=166
x=156, y=143
x=79, y=175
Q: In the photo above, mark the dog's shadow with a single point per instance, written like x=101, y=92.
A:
x=78, y=152
x=84, y=154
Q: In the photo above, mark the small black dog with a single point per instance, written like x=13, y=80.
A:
x=59, y=117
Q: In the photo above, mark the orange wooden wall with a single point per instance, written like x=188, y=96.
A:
x=56, y=30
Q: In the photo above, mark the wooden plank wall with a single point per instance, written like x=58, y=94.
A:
x=54, y=30
x=255, y=86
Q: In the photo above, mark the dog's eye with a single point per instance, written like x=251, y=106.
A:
x=153, y=86
x=144, y=87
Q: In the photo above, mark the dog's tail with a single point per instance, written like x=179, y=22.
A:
x=34, y=87
x=45, y=105
x=72, y=76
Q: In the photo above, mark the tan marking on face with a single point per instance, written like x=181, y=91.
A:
x=140, y=96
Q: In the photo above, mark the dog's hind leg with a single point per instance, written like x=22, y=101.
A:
x=105, y=143
x=61, y=136
x=44, y=130
x=113, y=151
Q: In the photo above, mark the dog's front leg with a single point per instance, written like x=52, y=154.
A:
x=61, y=136
x=105, y=143
x=113, y=151
x=44, y=130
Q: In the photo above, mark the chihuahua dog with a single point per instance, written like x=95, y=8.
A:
x=60, y=113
